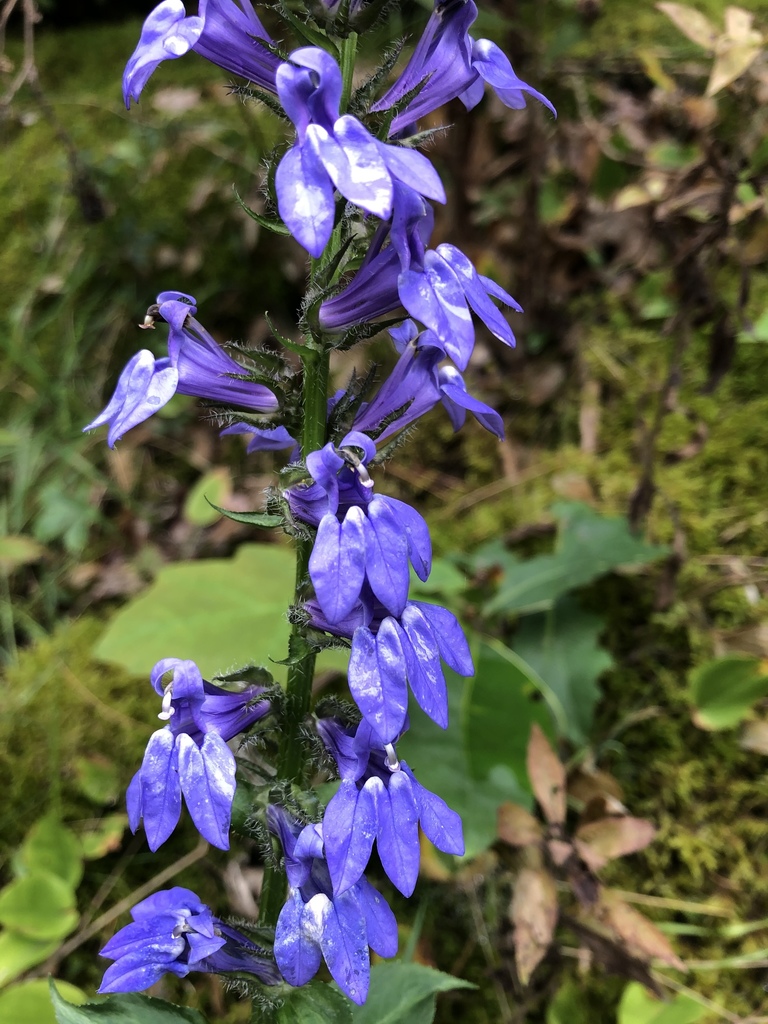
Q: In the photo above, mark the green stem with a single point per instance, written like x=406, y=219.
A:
x=348, y=54
x=291, y=764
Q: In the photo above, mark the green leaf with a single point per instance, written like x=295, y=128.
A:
x=440, y=762
x=18, y=954
x=126, y=1008
x=404, y=994
x=315, y=1003
x=30, y=1002
x=724, y=690
x=568, y=1006
x=214, y=486
x=445, y=579
x=561, y=647
x=588, y=546
x=39, y=906
x=19, y=550
x=267, y=519
x=638, y=1006
x=218, y=612
x=275, y=226
x=51, y=848
x=104, y=837
x=98, y=779
x=503, y=701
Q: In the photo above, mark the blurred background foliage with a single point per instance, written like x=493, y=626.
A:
x=610, y=557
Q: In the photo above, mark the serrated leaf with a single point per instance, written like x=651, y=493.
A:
x=39, y=906
x=547, y=777
x=18, y=954
x=265, y=519
x=500, y=707
x=639, y=1006
x=404, y=994
x=30, y=1002
x=600, y=841
x=724, y=690
x=17, y=550
x=315, y=1003
x=517, y=826
x=201, y=506
x=692, y=23
x=588, y=546
x=439, y=760
x=275, y=226
x=562, y=647
x=125, y=1008
x=51, y=848
x=533, y=912
x=220, y=612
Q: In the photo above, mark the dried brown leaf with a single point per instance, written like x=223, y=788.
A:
x=732, y=60
x=755, y=737
x=547, y=776
x=559, y=851
x=601, y=841
x=517, y=827
x=640, y=936
x=533, y=912
x=692, y=23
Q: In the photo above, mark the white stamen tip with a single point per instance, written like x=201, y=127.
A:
x=392, y=763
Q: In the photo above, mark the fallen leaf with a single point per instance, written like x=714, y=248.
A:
x=517, y=826
x=547, y=776
x=640, y=936
x=755, y=737
x=559, y=851
x=692, y=23
x=732, y=60
x=533, y=912
x=601, y=841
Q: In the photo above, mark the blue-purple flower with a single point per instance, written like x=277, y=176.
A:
x=380, y=799
x=195, y=365
x=173, y=932
x=371, y=539
x=190, y=756
x=417, y=383
x=225, y=32
x=448, y=63
x=336, y=152
x=317, y=924
x=438, y=287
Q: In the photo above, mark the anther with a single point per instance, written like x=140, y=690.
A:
x=168, y=709
x=392, y=763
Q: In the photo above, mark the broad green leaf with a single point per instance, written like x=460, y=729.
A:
x=218, y=612
x=502, y=703
x=404, y=994
x=439, y=759
x=51, y=848
x=18, y=550
x=568, y=1006
x=561, y=646
x=39, y=906
x=30, y=1002
x=104, y=837
x=98, y=779
x=18, y=954
x=126, y=1008
x=211, y=490
x=316, y=1003
x=444, y=579
x=588, y=546
x=724, y=690
x=638, y=1006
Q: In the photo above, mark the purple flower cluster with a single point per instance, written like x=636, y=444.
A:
x=365, y=544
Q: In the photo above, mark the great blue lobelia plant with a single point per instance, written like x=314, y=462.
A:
x=356, y=193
